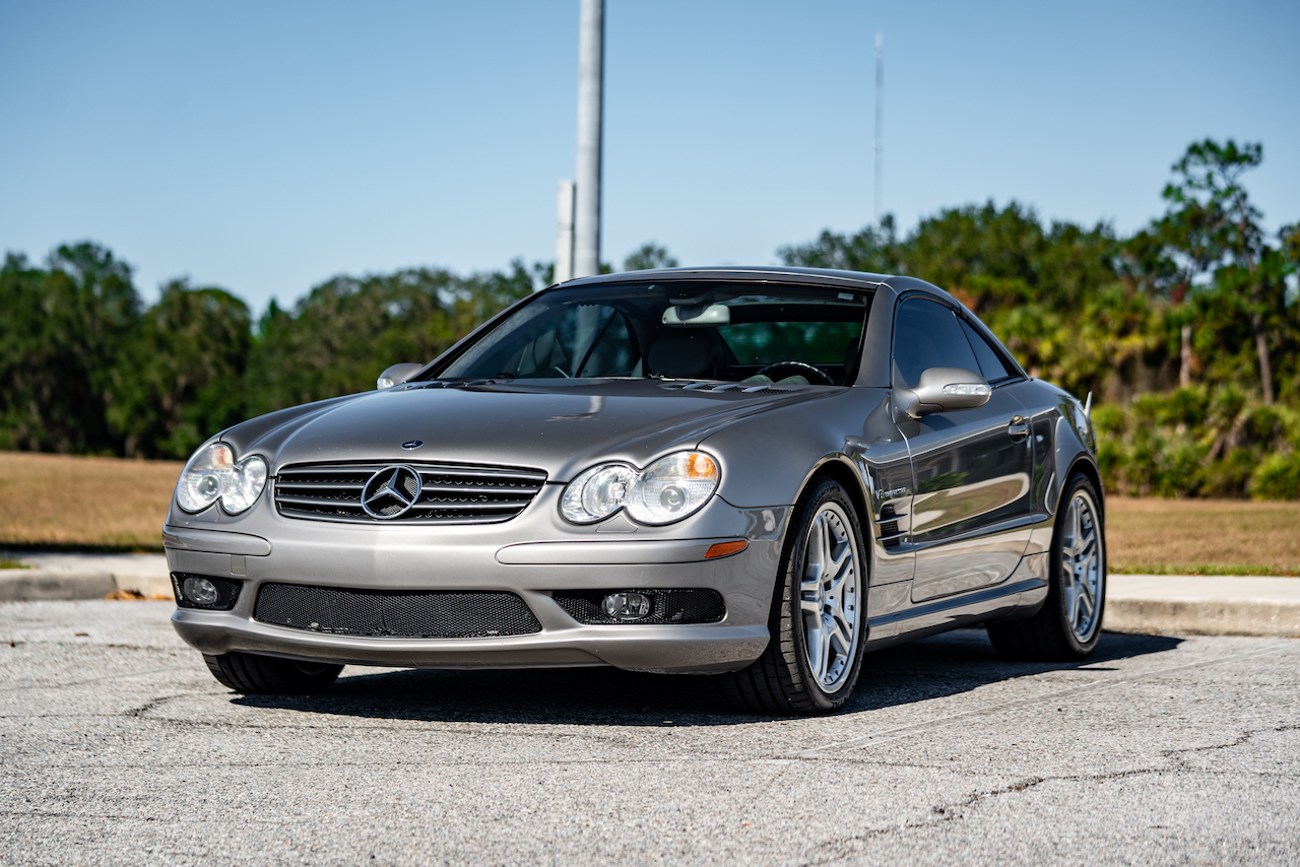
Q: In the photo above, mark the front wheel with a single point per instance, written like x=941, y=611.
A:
x=1068, y=626
x=818, y=619
x=252, y=674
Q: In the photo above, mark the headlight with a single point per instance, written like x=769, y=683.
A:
x=212, y=475
x=668, y=490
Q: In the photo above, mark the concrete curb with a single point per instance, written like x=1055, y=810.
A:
x=1173, y=604
x=31, y=585
x=1204, y=605
x=1185, y=617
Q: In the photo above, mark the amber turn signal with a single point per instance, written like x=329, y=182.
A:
x=725, y=549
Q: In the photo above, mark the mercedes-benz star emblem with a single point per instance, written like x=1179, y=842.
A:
x=391, y=492
x=412, y=444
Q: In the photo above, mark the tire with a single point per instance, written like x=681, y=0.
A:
x=1068, y=626
x=252, y=674
x=818, y=620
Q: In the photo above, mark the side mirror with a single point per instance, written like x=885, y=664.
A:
x=397, y=374
x=943, y=389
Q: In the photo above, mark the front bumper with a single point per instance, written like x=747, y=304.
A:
x=488, y=558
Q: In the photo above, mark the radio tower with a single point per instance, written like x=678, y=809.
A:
x=880, y=116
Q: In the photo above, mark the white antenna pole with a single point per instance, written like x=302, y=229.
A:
x=564, y=232
x=591, y=62
x=880, y=118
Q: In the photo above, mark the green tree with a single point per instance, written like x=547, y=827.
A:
x=348, y=329
x=1213, y=230
x=647, y=256
x=873, y=249
x=180, y=376
x=63, y=329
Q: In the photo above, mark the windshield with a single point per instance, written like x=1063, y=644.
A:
x=733, y=332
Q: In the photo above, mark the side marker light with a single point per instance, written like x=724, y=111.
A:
x=725, y=549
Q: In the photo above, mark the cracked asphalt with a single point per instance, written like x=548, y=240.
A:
x=116, y=747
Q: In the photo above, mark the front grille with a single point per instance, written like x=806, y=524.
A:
x=450, y=493
x=667, y=606
x=394, y=613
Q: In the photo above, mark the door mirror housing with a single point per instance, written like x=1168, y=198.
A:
x=397, y=374
x=943, y=389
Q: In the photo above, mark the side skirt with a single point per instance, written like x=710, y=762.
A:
x=940, y=615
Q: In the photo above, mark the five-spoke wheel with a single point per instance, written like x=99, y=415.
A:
x=829, y=590
x=1082, y=573
x=818, y=620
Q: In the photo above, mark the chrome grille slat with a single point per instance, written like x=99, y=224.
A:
x=287, y=500
x=477, y=489
x=345, y=486
x=468, y=506
x=449, y=493
x=488, y=473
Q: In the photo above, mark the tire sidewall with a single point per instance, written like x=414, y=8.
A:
x=1078, y=482
x=790, y=615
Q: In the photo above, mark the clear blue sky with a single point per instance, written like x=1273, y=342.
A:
x=266, y=146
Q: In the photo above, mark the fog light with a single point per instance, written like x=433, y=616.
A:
x=626, y=606
x=200, y=590
x=207, y=592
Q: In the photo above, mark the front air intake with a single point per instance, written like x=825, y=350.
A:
x=394, y=613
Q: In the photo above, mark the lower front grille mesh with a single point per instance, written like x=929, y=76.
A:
x=394, y=613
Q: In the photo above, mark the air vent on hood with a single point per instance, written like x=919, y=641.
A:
x=743, y=387
x=409, y=493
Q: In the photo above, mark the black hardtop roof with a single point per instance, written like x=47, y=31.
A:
x=728, y=272
x=774, y=273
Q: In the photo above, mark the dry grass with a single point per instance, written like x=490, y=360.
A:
x=57, y=501
x=1203, y=537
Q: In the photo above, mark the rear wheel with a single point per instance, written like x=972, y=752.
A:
x=818, y=618
x=250, y=673
x=1068, y=626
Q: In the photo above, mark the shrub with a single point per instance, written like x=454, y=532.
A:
x=1277, y=478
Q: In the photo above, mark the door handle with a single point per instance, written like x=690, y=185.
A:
x=1018, y=429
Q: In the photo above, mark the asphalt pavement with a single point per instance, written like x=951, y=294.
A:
x=1162, y=604
x=117, y=747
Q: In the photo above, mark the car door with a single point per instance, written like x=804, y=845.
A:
x=972, y=468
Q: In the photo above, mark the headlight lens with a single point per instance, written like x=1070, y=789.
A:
x=598, y=493
x=213, y=475
x=670, y=489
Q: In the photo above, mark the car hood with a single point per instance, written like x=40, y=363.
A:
x=559, y=428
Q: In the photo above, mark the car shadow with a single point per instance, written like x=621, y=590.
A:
x=943, y=665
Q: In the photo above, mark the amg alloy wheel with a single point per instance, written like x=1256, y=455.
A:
x=1068, y=625
x=818, y=619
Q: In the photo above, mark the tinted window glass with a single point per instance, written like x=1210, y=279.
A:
x=762, y=343
x=928, y=335
x=991, y=364
x=582, y=340
x=713, y=330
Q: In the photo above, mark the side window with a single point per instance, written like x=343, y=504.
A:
x=991, y=363
x=927, y=334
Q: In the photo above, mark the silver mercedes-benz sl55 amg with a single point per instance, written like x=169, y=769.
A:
x=757, y=472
